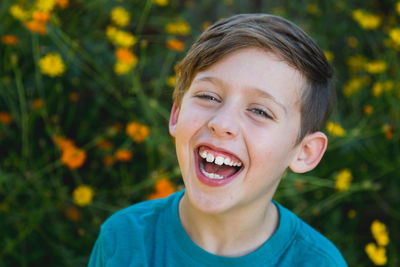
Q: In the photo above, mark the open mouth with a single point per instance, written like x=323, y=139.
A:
x=218, y=165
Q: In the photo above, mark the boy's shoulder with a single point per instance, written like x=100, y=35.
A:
x=306, y=244
x=141, y=214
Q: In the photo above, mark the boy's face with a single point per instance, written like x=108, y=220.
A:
x=245, y=109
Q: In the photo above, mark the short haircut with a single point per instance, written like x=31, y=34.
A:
x=272, y=34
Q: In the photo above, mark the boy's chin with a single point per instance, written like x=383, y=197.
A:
x=212, y=203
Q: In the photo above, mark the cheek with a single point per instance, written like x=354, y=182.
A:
x=271, y=151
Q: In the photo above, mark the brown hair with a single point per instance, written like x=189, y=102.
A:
x=273, y=34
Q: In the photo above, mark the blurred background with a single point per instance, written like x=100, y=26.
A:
x=85, y=96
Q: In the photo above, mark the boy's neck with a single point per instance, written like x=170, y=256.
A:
x=231, y=234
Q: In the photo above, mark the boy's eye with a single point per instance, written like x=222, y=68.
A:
x=207, y=97
x=262, y=113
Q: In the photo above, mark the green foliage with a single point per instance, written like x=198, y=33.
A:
x=90, y=105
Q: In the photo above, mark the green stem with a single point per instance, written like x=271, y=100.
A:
x=38, y=76
x=24, y=114
x=143, y=18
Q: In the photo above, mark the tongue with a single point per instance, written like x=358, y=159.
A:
x=222, y=170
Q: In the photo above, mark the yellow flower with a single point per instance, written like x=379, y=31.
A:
x=120, y=38
x=356, y=63
x=19, y=13
x=45, y=5
x=378, y=230
x=329, y=55
x=121, y=67
x=83, y=195
x=343, y=180
x=180, y=27
x=52, y=65
x=312, y=9
x=171, y=80
x=206, y=25
x=366, y=20
x=120, y=16
x=394, y=35
x=335, y=129
x=110, y=32
x=138, y=132
x=376, y=66
x=378, y=88
x=352, y=42
x=354, y=85
x=376, y=254
x=160, y=2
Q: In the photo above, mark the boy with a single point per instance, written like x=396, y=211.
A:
x=252, y=94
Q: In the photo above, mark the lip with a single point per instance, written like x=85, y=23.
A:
x=213, y=182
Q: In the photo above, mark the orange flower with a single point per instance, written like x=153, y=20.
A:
x=5, y=118
x=63, y=143
x=62, y=3
x=104, y=145
x=9, y=40
x=175, y=44
x=163, y=188
x=36, y=27
x=388, y=130
x=125, y=55
x=73, y=214
x=74, y=96
x=41, y=16
x=108, y=160
x=38, y=103
x=73, y=157
x=137, y=131
x=368, y=109
x=117, y=126
x=123, y=155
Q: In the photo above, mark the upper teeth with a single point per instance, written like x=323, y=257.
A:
x=219, y=160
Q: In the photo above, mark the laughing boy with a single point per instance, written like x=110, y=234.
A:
x=252, y=94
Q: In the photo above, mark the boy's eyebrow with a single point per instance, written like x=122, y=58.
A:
x=258, y=92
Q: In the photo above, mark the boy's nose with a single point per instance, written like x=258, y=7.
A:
x=224, y=124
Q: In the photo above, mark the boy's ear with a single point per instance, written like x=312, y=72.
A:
x=311, y=150
x=173, y=119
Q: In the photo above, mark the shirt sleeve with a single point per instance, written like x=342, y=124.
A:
x=97, y=255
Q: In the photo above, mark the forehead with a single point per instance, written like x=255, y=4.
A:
x=255, y=70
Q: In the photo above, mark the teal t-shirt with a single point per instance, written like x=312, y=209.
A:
x=150, y=233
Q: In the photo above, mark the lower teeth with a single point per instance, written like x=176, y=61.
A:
x=210, y=175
